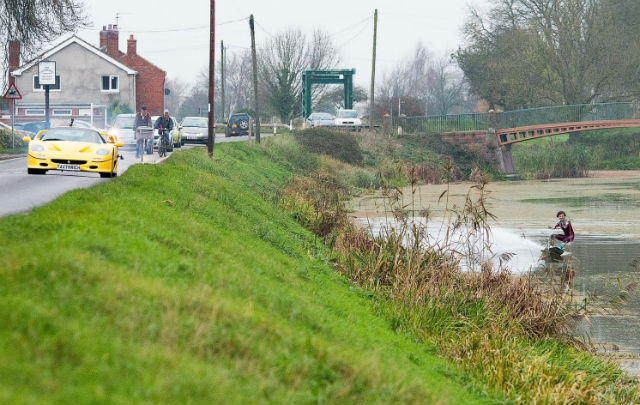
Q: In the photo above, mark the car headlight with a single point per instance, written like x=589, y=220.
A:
x=37, y=148
x=103, y=152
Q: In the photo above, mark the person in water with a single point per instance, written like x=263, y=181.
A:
x=565, y=224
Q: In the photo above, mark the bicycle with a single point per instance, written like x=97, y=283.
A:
x=163, y=143
x=143, y=135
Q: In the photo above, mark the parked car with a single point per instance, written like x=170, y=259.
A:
x=32, y=127
x=320, y=119
x=176, y=134
x=122, y=129
x=72, y=149
x=238, y=124
x=348, y=119
x=195, y=129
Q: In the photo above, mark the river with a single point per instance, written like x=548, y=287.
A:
x=605, y=213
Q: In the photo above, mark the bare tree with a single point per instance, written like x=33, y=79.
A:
x=421, y=84
x=238, y=91
x=36, y=22
x=446, y=89
x=283, y=59
x=178, y=91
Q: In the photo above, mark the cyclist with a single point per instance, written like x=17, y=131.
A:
x=143, y=119
x=164, y=125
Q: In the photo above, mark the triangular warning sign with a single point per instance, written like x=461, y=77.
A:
x=12, y=93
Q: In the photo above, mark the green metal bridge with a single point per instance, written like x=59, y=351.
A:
x=522, y=125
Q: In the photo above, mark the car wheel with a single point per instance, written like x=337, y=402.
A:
x=226, y=133
x=36, y=171
x=108, y=174
x=243, y=124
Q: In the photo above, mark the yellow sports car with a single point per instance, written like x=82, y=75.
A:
x=72, y=149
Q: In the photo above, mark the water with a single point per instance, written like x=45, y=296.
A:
x=605, y=216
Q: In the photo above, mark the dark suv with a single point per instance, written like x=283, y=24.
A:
x=238, y=124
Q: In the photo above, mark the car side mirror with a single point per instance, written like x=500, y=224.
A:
x=26, y=139
x=119, y=144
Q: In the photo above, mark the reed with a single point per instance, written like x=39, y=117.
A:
x=511, y=332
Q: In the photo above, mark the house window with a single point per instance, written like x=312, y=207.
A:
x=61, y=112
x=38, y=87
x=34, y=111
x=110, y=83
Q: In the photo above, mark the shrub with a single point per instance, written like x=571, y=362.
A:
x=288, y=152
x=5, y=139
x=339, y=145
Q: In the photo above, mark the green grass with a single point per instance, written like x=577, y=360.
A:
x=183, y=283
x=430, y=150
x=16, y=151
x=558, y=156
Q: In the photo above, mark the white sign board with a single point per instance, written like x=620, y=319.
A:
x=47, y=73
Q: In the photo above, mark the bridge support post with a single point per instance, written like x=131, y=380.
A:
x=507, y=160
x=503, y=154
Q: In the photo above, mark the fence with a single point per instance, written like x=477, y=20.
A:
x=522, y=118
x=568, y=113
x=447, y=123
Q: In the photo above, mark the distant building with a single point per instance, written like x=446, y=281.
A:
x=150, y=80
x=88, y=80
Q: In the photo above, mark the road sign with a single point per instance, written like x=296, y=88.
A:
x=12, y=93
x=47, y=73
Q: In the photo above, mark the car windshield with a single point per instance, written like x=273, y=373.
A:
x=235, y=117
x=321, y=116
x=72, y=135
x=347, y=114
x=195, y=122
x=124, y=122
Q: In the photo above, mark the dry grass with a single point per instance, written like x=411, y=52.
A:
x=512, y=333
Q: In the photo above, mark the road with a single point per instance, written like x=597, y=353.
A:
x=21, y=192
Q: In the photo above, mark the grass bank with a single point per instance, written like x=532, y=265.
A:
x=512, y=333
x=184, y=283
x=190, y=282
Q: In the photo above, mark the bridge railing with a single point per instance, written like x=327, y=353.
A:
x=522, y=118
x=568, y=113
x=447, y=123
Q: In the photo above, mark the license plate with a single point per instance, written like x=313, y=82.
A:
x=74, y=168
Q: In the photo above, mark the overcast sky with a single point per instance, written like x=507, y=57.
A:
x=174, y=35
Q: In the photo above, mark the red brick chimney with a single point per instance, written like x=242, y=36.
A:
x=109, y=40
x=14, y=58
x=131, y=46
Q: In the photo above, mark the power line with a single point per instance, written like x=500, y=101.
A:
x=174, y=29
x=353, y=37
x=263, y=29
x=352, y=26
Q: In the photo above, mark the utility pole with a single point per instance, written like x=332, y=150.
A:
x=211, y=138
x=222, y=76
x=373, y=70
x=255, y=77
x=47, y=120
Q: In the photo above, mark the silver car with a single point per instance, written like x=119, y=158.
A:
x=320, y=119
x=195, y=129
x=122, y=129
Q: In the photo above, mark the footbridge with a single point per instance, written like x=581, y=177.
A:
x=502, y=129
